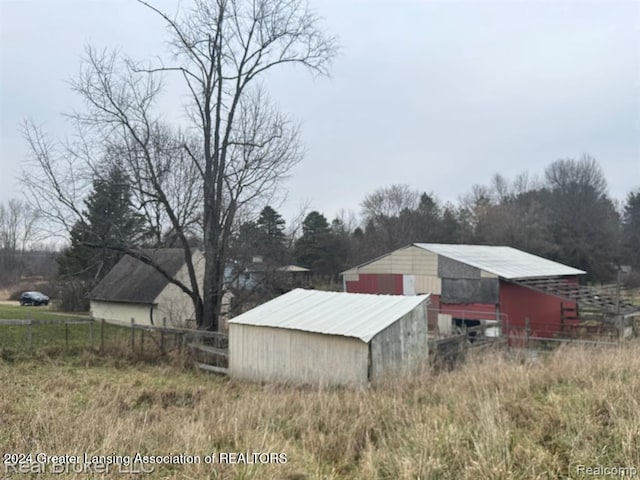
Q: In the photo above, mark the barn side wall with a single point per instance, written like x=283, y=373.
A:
x=411, y=259
x=387, y=274
x=542, y=310
x=470, y=290
x=120, y=313
x=292, y=356
x=402, y=346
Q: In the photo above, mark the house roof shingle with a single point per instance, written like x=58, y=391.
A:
x=132, y=281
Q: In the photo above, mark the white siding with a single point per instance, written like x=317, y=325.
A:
x=120, y=312
x=485, y=274
x=408, y=284
x=175, y=308
x=273, y=354
x=173, y=305
x=428, y=284
x=410, y=260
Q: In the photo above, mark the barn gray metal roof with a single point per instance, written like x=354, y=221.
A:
x=506, y=262
x=355, y=315
x=132, y=281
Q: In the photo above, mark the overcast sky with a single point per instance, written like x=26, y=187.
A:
x=435, y=94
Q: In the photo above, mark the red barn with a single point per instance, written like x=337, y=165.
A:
x=472, y=283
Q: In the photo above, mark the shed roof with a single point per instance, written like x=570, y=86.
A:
x=293, y=269
x=132, y=281
x=506, y=262
x=355, y=315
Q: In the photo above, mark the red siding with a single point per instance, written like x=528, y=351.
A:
x=377, y=283
x=365, y=284
x=543, y=311
x=516, y=304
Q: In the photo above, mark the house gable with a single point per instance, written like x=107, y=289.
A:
x=175, y=307
x=133, y=281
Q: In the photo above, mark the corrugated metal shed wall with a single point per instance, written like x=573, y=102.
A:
x=402, y=346
x=276, y=354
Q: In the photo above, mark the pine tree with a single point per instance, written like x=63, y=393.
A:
x=631, y=229
x=271, y=238
x=316, y=248
x=110, y=222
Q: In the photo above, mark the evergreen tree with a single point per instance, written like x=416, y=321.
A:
x=264, y=237
x=271, y=240
x=314, y=248
x=111, y=223
x=631, y=229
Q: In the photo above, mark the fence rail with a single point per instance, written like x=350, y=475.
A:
x=11, y=333
x=206, y=350
x=47, y=322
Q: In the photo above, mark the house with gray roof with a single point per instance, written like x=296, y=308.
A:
x=134, y=290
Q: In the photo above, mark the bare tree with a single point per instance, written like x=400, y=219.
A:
x=582, y=218
x=389, y=202
x=238, y=148
x=17, y=223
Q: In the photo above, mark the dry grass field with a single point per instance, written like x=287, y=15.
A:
x=493, y=418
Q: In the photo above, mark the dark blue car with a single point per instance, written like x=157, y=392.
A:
x=34, y=298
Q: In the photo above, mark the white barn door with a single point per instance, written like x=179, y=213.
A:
x=408, y=284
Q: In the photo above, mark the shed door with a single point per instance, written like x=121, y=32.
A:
x=409, y=284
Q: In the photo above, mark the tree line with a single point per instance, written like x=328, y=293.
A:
x=566, y=216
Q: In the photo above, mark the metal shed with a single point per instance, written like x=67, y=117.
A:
x=329, y=338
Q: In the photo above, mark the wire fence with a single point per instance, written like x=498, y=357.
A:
x=459, y=333
x=21, y=338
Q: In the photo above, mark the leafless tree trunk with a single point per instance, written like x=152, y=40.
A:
x=240, y=151
x=223, y=47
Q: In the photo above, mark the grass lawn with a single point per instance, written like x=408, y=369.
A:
x=51, y=338
x=18, y=312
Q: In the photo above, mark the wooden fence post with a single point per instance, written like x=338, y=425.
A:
x=133, y=335
x=164, y=324
x=102, y=336
x=30, y=334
